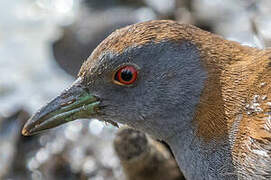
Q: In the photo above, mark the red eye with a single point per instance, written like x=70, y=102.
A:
x=126, y=75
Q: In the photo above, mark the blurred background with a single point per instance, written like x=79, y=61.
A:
x=42, y=46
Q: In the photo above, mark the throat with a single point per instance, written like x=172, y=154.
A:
x=200, y=160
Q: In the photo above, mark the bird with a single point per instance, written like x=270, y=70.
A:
x=208, y=98
x=144, y=158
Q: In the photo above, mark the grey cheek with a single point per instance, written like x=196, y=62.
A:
x=172, y=88
x=172, y=81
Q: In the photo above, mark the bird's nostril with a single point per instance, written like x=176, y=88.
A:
x=68, y=103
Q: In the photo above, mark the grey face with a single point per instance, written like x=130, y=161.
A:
x=160, y=102
x=168, y=88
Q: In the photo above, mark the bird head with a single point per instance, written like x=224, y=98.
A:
x=148, y=75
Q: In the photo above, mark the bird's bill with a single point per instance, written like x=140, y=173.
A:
x=73, y=103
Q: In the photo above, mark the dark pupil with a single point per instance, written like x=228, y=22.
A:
x=126, y=75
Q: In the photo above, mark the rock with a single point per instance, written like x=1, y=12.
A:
x=143, y=158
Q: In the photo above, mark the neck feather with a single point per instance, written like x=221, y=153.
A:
x=229, y=66
x=203, y=149
x=199, y=160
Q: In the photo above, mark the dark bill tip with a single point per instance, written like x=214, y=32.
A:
x=73, y=103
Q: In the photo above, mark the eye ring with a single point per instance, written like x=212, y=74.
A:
x=126, y=75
